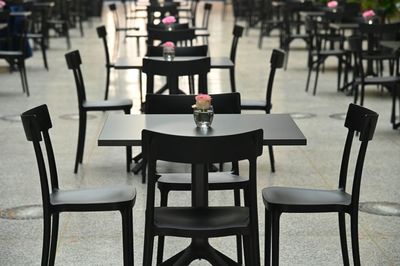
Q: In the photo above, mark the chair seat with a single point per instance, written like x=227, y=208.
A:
x=121, y=104
x=379, y=80
x=300, y=199
x=222, y=62
x=216, y=181
x=200, y=222
x=4, y=53
x=253, y=104
x=330, y=52
x=93, y=199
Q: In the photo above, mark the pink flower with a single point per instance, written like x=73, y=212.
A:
x=332, y=4
x=368, y=14
x=169, y=20
x=168, y=44
x=2, y=4
x=203, y=102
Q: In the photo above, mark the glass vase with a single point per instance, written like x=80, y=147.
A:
x=168, y=53
x=203, y=118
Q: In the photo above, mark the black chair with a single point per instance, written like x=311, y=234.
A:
x=277, y=60
x=15, y=50
x=173, y=69
x=201, y=222
x=74, y=62
x=391, y=82
x=59, y=20
x=278, y=200
x=36, y=124
x=270, y=20
x=190, y=11
x=220, y=62
x=181, y=37
x=317, y=55
x=225, y=103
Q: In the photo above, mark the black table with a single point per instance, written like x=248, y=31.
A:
x=126, y=130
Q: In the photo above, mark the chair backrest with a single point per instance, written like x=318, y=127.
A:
x=378, y=32
x=201, y=50
x=36, y=123
x=102, y=33
x=199, y=152
x=355, y=46
x=74, y=62
x=237, y=33
x=183, y=37
x=113, y=9
x=363, y=121
x=224, y=103
x=276, y=61
x=206, y=15
x=173, y=69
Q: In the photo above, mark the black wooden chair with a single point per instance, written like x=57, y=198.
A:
x=172, y=70
x=15, y=50
x=191, y=12
x=277, y=61
x=317, y=55
x=59, y=20
x=102, y=33
x=36, y=124
x=201, y=222
x=225, y=103
x=181, y=37
x=220, y=62
x=74, y=62
x=278, y=200
x=391, y=82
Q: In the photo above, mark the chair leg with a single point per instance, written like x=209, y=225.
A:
x=148, y=244
x=247, y=251
x=339, y=73
x=66, y=32
x=43, y=48
x=275, y=238
x=236, y=195
x=355, y=91
x=308, y=76
x=107, y=82
x=21, y=73
x=316, y=76
x=271, y=158
x=54, y=238
x=232, y=78
x=81, y=140
x=354, y=238
x=138, y=46
x=267, y=255
x=161, y=239
x=25, y=77
x=128, y=158
x=362, y=94
x=127, y=236
x=46, y=238
x=343, y=239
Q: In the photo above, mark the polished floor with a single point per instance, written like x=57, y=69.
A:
x=95, y=238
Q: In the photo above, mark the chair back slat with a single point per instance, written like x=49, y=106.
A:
x=74, y=62
x=237, y=33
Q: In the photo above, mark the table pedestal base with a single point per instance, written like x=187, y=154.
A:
x=200, y=249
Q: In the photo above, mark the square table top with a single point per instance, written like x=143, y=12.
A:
x=126, y=130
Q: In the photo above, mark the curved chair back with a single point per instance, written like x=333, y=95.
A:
x=237, y=33
x=224, y=103
x=74, y=63
x=173, y=69
x=102, y=34
x=206, y=15
x=363, y=121
x=277, y=61
x=113, y=9
x=36, y=123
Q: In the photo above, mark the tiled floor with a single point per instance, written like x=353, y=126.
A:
x=95, y=239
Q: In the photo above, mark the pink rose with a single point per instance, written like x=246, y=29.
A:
x=169, y=20
x=332, y=4
x=368, y=14
x=168, y=44
x=203, y=102
x=2, y=4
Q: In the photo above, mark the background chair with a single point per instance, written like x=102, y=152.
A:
x=237, y=33
x=277, y=60
x=74, y=62
x=14, y=51
x=36, y=124
x=391, y=82
x=102, y=33
x=201, y=222
x=278, y=200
